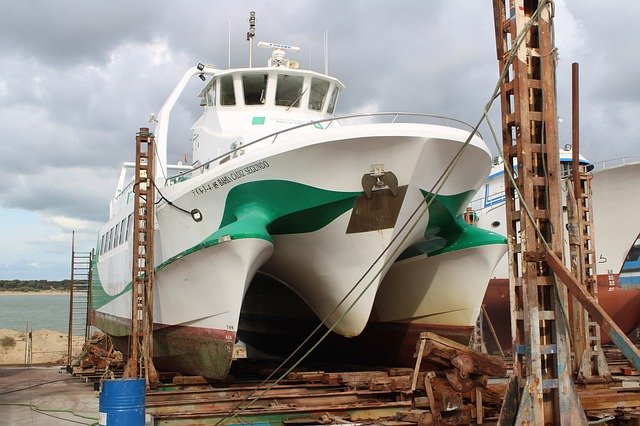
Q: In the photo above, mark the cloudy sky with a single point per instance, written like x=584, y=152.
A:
x=78, y=79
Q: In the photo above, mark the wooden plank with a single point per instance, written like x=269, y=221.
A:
x=612, y=400
x=448, y=353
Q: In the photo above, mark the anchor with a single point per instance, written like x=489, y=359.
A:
x=378, y=179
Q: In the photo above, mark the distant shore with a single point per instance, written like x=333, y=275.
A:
x=34, y=293
x=48, y=347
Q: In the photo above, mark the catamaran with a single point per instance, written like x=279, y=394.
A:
x=358, y=216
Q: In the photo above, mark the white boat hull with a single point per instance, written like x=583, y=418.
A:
x=288, y=207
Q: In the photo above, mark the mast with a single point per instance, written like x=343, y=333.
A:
x=250, y=35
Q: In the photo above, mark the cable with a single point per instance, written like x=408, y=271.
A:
x=169, y=202
x=34, y=386
x=420, y=210
x=195, y=214
x=507, y=167
x=438, y=184
x=46, y=412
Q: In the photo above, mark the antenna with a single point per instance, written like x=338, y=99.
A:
x=267, y=45
x=277, y=55
x=326, y=51
x=229, y=46
x=251, y=34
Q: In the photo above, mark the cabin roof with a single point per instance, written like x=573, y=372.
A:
x=269, y=70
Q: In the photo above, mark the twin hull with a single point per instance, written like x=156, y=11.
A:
x=307, y=212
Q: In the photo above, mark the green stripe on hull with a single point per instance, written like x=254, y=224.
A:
x=287, y=207
x=447, y=231
x=259, y=210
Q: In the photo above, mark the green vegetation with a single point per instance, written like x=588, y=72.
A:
x=7, y=342
x=33, y=285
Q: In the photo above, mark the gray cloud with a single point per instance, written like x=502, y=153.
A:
x=66, y=32
x=78, y=79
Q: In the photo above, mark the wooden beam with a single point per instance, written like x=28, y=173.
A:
x=607, y=325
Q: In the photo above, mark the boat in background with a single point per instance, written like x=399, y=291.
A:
x=615, y=196
x=281, y=193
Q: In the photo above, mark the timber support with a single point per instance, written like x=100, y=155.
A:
x=140, y=362
x=543, y=390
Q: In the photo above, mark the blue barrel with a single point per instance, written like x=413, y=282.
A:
x=122, y=402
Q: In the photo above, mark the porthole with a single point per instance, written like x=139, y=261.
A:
x=495, y=224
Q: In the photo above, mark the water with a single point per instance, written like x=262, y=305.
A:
x=41, y=311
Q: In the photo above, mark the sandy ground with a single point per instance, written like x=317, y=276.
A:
x=48, y=347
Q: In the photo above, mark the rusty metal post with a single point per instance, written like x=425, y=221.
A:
x=71, y=285
x=140, y=362
x=589, y=360
x=578, y=318
x=89, y=322
x=575, y=127
x=524, y=40
x=486, y=317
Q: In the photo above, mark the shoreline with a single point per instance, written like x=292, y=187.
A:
x=34, y=293
x=48, y=347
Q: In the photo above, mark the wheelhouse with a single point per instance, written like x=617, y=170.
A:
x=277, y=88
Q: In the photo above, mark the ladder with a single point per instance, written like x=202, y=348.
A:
x=140, y=362
x=79, y=297
x=541, y=390
x=590, y=364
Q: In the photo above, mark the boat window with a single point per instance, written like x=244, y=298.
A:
x=122, y=230
x=112, y=234
x=289, y=90
x=255, y=88
x=110, y=239
x=227, y=95
x=129, y=226
x=319, y=89
x=210, y=96
x=116, y=236
x=101, y=246
x=333, y=100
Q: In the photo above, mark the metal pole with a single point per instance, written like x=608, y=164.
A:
x=87, y=324
x=575, y=128
x=493, y=331
x=71, y=285
x=250, y=35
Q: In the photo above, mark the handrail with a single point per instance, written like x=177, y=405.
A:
x=598, y=166
x=274, y=135
x=614, y=162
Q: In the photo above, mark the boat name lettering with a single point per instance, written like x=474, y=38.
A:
x=230, y=177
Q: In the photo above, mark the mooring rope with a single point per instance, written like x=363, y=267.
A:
x=425, y=204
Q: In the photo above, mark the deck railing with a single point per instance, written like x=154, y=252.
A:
x=377, y=117
x=616, y=162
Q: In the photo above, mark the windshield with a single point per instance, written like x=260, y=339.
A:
x=289, y=90
x=227, y=95
x=255, y=88
x=319, y=89
x=333, y=100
